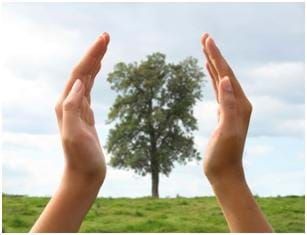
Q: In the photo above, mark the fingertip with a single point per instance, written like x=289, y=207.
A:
x=210, y=46
x=204, y=37
x=106, y=37
x=210, y=43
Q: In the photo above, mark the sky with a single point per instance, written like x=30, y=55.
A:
x=263, y=42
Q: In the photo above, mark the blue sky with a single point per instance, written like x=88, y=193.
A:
x=264, y=43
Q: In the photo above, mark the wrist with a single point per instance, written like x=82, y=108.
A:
x=79, y=181
x=229, y=176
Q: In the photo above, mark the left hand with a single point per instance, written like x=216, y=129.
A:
x=83, y=153
x=85, y=167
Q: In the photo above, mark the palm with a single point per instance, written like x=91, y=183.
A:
x=79, y=136
x=227, y=141
x=89, y=151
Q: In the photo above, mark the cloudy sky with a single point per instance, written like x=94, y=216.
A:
x=263, y=42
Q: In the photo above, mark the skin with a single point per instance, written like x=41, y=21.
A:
x=223, y=157
x=85, y=167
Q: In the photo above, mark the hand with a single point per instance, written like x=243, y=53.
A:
x=85, y=167
x=83, y=153
x=223, y=157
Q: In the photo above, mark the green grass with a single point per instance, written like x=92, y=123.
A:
x=286, y=214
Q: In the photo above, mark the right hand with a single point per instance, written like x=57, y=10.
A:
x=223, y=157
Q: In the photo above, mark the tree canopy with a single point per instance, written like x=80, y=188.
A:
x=153, y=115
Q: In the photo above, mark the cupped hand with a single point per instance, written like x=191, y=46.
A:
x=223, y=156
x=83, y=153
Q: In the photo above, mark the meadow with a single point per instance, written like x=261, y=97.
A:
x=200, y=214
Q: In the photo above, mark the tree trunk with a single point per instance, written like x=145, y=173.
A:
x=154, y=173
x=154, y=158
x=155, y=182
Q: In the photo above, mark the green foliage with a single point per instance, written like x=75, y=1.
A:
x=202, y=214
x=153, y=113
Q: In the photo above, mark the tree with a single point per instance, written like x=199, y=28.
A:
x=153, y=115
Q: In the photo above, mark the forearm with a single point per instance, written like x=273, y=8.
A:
x=69, y=205
x=239, y=206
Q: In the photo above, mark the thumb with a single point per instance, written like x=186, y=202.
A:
x=73, y=101
x=228, y=104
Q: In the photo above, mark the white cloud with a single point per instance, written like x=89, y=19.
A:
x=25, y=94
x=40, y=142
x=283, y=80
x=278, y=183
x=32, y=164
x=276, y=91
x=206, y=114
x=28, y=105
x=258, y=150
x=252, y=152
x=301, y=157
x=274, y=117
x=29, y=44
x=35, y=58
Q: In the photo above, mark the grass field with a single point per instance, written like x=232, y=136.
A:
x=286, y=214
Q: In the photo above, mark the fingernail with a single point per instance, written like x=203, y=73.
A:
x=204, y=38
x=102, y=36
x=106, y=37
x=209, y=41
x=226, y=84
x=77, y=86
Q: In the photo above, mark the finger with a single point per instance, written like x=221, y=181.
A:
x=214, y=83
x=72, y=103
x=213, y=71
x=217, y=59
x=89, y=62
x=87, y=114
x=93, y=55
x=221, y=66
x=83, y=109
x=228, y=104
x=91, y=83
x=204, y=38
